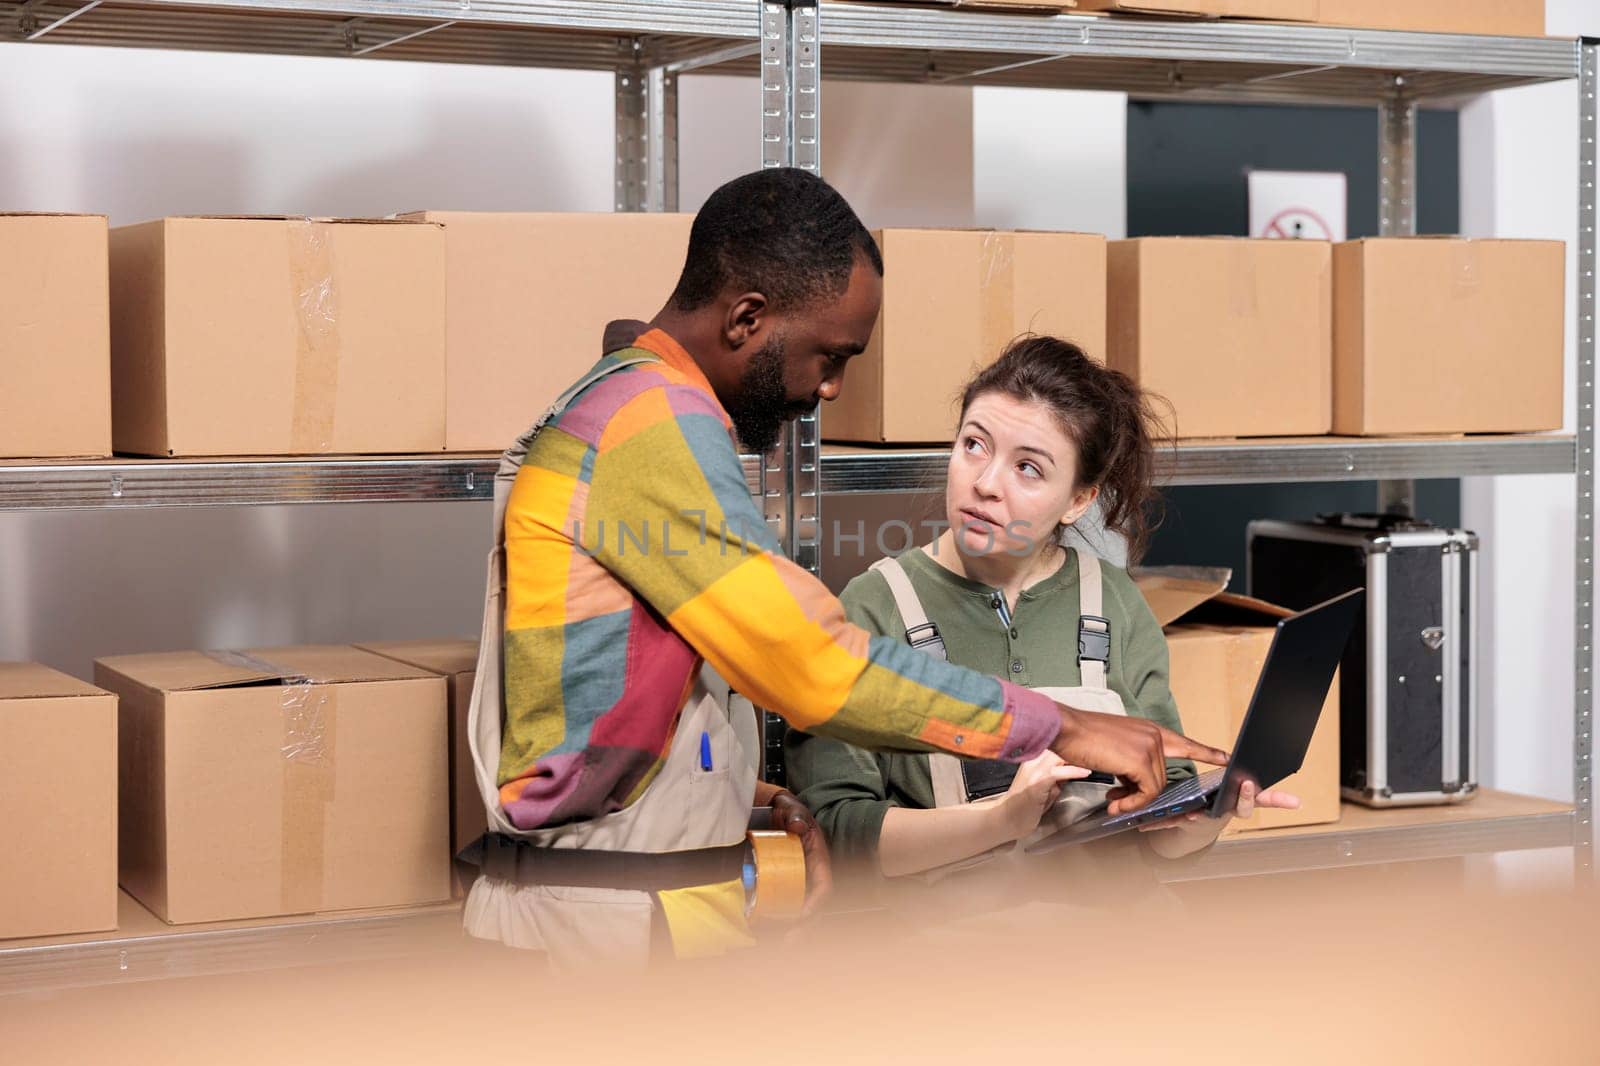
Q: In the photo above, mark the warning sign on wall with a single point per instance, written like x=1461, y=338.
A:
x=1297, y=204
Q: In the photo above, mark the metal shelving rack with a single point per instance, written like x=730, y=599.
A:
x=1241, y=62
x=648, y=44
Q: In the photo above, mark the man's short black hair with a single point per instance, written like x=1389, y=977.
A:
x=783, y=232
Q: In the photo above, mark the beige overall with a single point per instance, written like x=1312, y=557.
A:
x=684, y=808
x=1078, y=798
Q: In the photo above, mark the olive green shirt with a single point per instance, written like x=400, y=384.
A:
x=850, y=789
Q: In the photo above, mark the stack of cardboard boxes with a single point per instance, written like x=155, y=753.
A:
x=1244, y=338
x=222, y=785
x=230, y=785
x=435, y=332
x=450, y=331
x=263, y=336
x=1515, y=18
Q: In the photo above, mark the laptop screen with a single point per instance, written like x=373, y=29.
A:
x=1289, y=695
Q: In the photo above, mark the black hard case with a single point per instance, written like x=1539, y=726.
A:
x=1408, y=700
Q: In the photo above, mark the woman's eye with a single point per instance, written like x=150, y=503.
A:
x=1029, y=470
x=972, y=444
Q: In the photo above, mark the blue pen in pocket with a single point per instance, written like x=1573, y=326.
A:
x=705, y=752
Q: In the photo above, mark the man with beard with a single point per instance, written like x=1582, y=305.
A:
x=634, y=555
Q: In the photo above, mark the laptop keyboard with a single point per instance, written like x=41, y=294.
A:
x=1174, y=795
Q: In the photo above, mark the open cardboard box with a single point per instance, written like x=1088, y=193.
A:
x=1217, y=642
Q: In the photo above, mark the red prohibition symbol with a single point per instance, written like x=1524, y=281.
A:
x=1298, y=222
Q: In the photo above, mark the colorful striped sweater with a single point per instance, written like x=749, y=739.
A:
x=635, y=552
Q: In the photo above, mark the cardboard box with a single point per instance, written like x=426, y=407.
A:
x=1288, y=10
x=1517, y=18
x=1234, y=333
x=1268, y=10
x=272, y=336
x=457, y=662
x=529, y=297
x=55, y=361
x=1035, y=7
x=1217, y=643
x=58, y=804
x=279, y=781
x=952, y=301
x=1436, y=335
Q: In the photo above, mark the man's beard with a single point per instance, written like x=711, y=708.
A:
x=763, y=405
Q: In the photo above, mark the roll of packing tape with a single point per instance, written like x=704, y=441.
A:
x=780, y=874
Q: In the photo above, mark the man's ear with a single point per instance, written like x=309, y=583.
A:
x=1082, y=500
x=746, y=319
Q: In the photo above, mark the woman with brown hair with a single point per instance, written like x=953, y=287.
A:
x=1044, y=433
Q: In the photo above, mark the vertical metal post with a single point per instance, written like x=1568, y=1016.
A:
x=661, y=98
x=790, y=117
x=1397, y=496
x=775, y=30
x=1397, y=217
x=632, y=138
x=775, y=152
x=791, y=137
x=805, y=153
x=1583, y=571
x=647, y=136
x=1397, y=165
x=805, y=86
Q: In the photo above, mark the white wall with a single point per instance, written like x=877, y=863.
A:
x=901, y=154
x=139, y=134
x=1051, y=160
x=1519, y=169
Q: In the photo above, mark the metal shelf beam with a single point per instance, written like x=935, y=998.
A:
x=1246, y=462
x=153, y=954
x=117, y=483
x=416, y=479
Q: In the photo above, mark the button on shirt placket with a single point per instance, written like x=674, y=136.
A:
x=1016, y=666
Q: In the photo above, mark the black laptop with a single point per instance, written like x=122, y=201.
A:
x=1306, y=649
